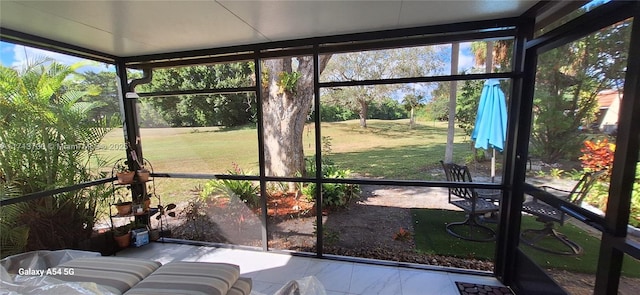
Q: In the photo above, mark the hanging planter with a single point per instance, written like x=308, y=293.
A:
x=125, y=177
x=143, y=175
x=124, y=208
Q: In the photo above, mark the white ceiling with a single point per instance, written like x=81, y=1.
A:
x=129, y=28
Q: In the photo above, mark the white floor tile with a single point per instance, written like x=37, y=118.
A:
x=417, y=282
x=289, y=268
x=264, y=288
x=334, y=275
x=369, y=280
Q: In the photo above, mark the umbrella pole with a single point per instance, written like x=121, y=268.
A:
x=493, y=165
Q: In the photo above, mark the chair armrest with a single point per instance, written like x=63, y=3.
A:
x=565, y=196
x=545, y=187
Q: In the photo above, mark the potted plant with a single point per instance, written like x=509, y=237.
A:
x=124, y=208
x=124, y=175
x=122, y=235
x=163, y=212
x=143, y=174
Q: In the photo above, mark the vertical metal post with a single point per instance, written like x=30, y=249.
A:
x=318, y=163
x=132, y=129
x=623, y=172
x=263, y=183
x=519, y=129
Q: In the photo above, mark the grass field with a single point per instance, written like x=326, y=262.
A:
x=387, y=149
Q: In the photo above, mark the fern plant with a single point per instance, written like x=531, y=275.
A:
x=245, y=190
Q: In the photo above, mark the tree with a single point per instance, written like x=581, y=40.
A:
x=48, y=139
x=387, y=109
x=102, y=91
x=203, y=110
x=287, y=97
x=375, y=65
x=438, y=106
x=411, y=102
x=467, y=106
x=568, y=81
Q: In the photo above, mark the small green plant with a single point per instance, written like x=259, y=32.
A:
x=123, y=229
x=575, y=174
x=288, y=81
x=334, y=195
x=598, y=195
x=164, y=211
x=245, y=190
x=634, y=217
x=540, y=173
x=479, y=156
x=556, y=173
x=122, y=167
x=196, y=215
x=329, y=236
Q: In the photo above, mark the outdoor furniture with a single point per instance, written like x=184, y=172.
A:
x=474, y=206
x=549, y=215
x=65, y=271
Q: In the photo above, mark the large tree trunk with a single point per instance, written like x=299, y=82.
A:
x=285, y=113
x=412, y=119
x=364, y=109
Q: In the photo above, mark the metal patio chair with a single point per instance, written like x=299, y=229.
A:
x=474, y=206
x=550, y=215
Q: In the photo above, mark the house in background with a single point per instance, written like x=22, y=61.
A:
x=609, y=105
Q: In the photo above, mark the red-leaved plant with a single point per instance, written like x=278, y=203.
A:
x=597, y=155
x=402, y=235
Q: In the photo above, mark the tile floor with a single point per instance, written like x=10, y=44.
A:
x=271, y=271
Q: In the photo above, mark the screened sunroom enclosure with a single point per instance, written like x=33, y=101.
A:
x=267, y=90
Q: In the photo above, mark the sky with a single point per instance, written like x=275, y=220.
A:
x=15, y=56
x=12, y=55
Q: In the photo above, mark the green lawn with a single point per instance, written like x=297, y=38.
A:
x=431, y=237
x=387, y=148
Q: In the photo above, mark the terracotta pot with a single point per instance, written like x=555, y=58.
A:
x=123, y=208
x=125, y=177
x=123, y=241
x=143, y=175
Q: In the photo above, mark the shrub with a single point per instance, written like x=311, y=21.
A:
x=334, y=195
x=48, y=140
x=245, y=190
x=634, y=217
x=597, y=155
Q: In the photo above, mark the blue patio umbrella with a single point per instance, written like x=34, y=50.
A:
x=490, y=129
